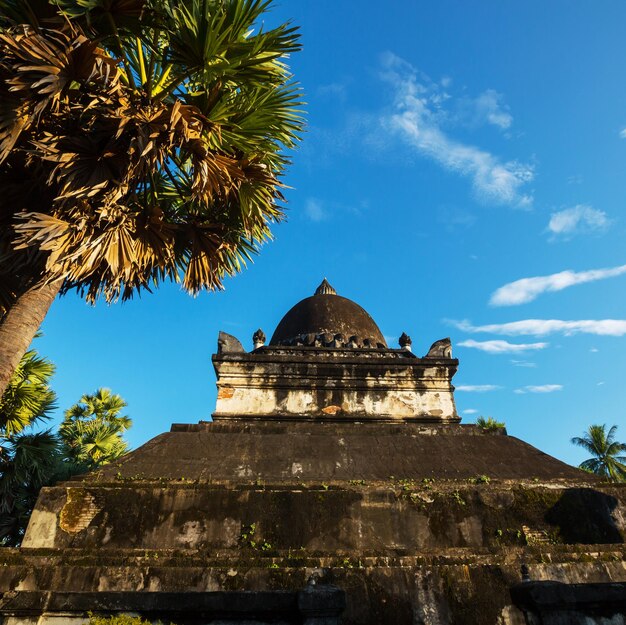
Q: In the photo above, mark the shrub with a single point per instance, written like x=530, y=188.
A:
x=116, y=619
x=489, y=424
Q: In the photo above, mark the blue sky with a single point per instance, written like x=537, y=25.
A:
x=462, y=175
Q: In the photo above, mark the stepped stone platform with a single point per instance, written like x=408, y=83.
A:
x=337, y=515
x=322, y=450
x=260, y=507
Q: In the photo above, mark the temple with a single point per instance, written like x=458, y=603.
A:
x=328, y=359
x=335, y=484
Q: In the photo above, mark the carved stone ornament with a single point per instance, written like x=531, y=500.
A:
x=440, y=349
x=405, y=341
x=258, y=338
x=332, y=340
x=227, y=343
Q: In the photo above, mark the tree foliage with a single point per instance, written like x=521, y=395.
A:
x=28, y=398
x=28, y=460
x=140, y=141
x=92, y=431
x=608, y=456
x=90, y=435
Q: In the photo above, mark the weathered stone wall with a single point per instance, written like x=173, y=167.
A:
x=452, y=587
x=317, y=604
x=374, y=384
x=556, y=603
x=396, y=517
x=435, y=552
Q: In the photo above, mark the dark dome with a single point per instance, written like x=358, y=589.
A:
x=318, y=320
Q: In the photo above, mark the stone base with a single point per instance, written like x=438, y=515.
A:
x=451, y=587
x=315, y=605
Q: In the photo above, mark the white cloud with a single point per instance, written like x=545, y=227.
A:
x=594, y=350
x=477, y=388
x=470, y=411
x=489, y=106
x=315, y=211
x=578, y=219
x=600, y=383
x=544, y=388
x=528, y=289
x=622, y=133
x=418, y=118
x=501, y=347
x=542, y=327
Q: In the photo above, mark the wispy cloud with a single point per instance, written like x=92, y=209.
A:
x=491, y=106
x=578, y=219
x=470, y=411
x=543, y=327
x=477, y=388
x=334, y=90
x=543, y=388
x=501, y=347
x=417, y=118
x=524, y=363
x=487, y=108
x=622, y=133
x=528, y=289
x=315, y=211
x=453, y=217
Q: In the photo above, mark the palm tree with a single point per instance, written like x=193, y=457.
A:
x=28, y=397
x=609, y=456
x=90, y=435
x=28, y=460
x=140, y=141
x=92, y=429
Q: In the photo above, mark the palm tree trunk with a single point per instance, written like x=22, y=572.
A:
x=20, y=324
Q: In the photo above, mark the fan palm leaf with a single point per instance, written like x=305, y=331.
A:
x=139, y=142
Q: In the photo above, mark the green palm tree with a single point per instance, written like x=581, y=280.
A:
x=28, y=398
x=90, y=435
x=28, y=460
x=608, y=456
x=140, y=141
x=92, y=431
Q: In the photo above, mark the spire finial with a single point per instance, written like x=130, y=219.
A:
x=405, y=341
x=325, y=289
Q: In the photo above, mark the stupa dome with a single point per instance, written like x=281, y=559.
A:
x=328, y=320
